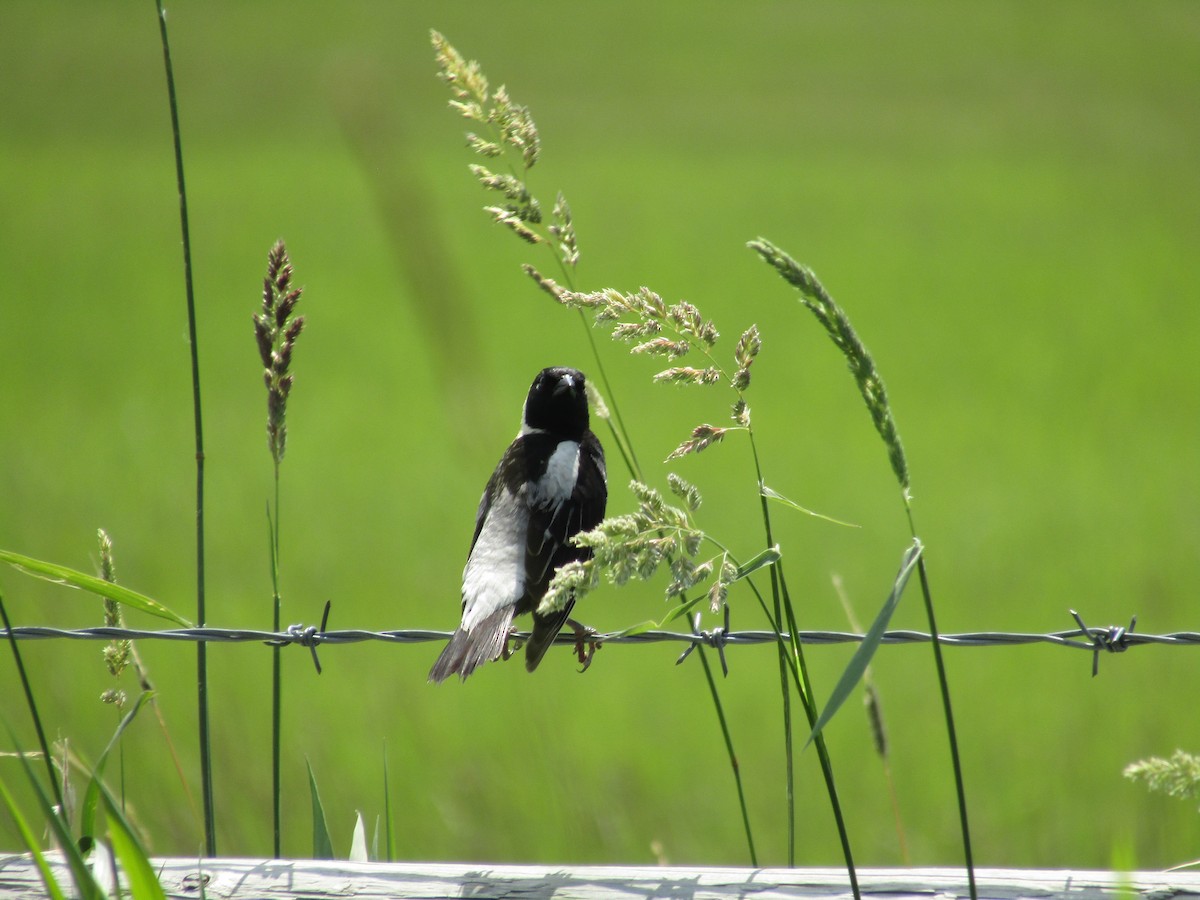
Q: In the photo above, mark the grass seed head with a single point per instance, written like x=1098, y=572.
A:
x=837, y=325
x=275, y=332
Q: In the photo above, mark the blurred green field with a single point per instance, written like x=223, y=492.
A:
x=1005, y=197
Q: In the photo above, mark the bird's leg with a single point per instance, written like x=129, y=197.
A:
x=586, y=643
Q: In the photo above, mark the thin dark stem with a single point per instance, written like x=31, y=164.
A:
x=121, y=765
x=733, y=760
x=810, y=711
x=797, y=667
x=210, y=834
x=783, y=601
x=276, y=679
x=947, y=711
x=788, y=748
x=956, y=764
x=777, y=622
x=33, y=710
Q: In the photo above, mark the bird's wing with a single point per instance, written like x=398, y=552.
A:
x=551, y=526
x=581, y=511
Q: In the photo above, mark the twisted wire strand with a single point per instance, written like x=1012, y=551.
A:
x=1113, y=638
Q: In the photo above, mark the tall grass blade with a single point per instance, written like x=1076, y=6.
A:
x=57, y=574
x=53, y=890
x=206, y=788
x=32, y=704
x=866, y=650
x=322, y=844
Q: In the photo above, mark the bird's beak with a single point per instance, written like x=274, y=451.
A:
x=564, y=384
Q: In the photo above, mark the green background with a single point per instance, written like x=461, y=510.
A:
x=1005, y=197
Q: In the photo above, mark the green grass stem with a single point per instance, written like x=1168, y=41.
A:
x=733, y=759
x=276, y=681
x=617, y=429
x=789, y=754
x=951, y=732
x=206, y=786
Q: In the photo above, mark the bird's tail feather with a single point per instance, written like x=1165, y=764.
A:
x=468, y=650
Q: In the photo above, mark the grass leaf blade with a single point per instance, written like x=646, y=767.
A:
x=143, y=882
x=772, y=494
x=389, y=842
x=870, y=643
x=85, y=882
x=322, y=843
x=767, y=557
x=57, y=574
x=126, y=845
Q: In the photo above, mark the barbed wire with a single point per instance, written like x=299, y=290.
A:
x=1111, y=639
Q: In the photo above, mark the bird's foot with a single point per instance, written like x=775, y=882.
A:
x=586, y=643
x=508, y=651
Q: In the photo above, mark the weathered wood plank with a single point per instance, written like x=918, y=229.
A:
x=273, y=879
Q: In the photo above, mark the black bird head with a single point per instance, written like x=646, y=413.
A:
x=557, y=403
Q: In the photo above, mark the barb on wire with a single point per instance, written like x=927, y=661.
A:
x=306, y=636
x=1114, y=639
x=717, y=638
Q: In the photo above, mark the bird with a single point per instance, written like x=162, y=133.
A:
x=549, y=485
